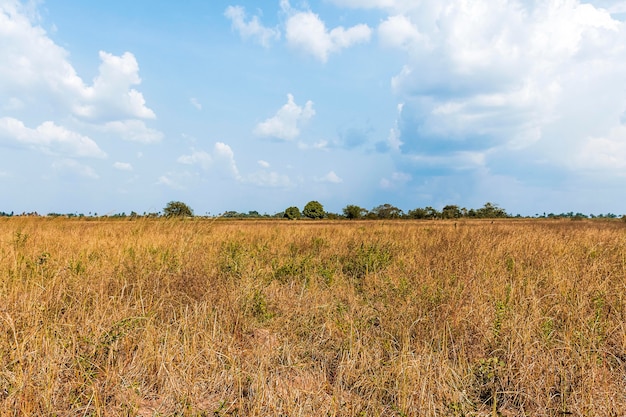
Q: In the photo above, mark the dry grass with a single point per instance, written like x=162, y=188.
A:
x=193, y=318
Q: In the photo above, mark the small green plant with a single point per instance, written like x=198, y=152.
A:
x=259, y=307
x=489, y=374
x=19, y=240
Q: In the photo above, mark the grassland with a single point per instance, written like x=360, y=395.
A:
x=272, y=318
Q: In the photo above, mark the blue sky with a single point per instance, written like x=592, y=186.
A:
x=123, y=106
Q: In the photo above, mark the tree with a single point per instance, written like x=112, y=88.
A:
x=418, y=213
x=354, y=212
x=292, y=213
x=177, y=209
x=451, y=212
x=387, y=211
x=432, y=212
x=314, y=210
x=490, y=210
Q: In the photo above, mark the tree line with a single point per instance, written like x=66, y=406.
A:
x=315, y=210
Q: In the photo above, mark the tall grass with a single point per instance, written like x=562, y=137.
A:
x=199, y=318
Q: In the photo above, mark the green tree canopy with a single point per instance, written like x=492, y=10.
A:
x=314, y=210
x=387, y=211
x=490, y=210
x=177, y=209
x=451, y=212
x=418, y=213
x=292, y=213
x=354, y=212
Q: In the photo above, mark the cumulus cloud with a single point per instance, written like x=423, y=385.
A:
x=604, y=153
x=123, y=166
x=132, y=130
x=111, y=96
x=194, y=102
x=201, y=158
x=251, y=29
x=221, y=159
x=270, y=179
x=168, y=180
x=331, y=177
x=34, y=68
x=48, y=138
x=397, y=179
x=74, y=168
x=532, y=83
x=263, y=164
x=398, y=31
x=307, y=32
x=37, y=76
x=287, y=121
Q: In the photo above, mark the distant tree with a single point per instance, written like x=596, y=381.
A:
x=387, y=211
x=432, y=212
x=177, y=209
x=354, y=212
x=490, y=210
x=292, y=213
x=451, y=212
x=418, y=213
x=313, y=210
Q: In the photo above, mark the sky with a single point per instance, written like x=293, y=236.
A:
x=117, y=106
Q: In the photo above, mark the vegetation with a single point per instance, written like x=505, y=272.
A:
x=314, y=210
x=177, y=209
x=353, y=212
x=292, y=213
x=150, y=317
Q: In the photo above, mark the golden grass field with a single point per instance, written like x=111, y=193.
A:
x=273, y=318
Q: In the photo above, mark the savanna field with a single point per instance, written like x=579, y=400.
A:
x=197, y=317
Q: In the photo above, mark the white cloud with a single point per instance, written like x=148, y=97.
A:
x=221, y=160
x=604, y=154
x=263, y=164
x=168, y=181
x=306, y=32
x=320, y=145
x=37, y=76
x=34, y=68
x=200, y=158
x=397, y=179
x=13, y=104
x=251, y=29
x=132, y=130
x=72, y=167
x=225, y=158
x=194, y=102
x=111, y=96
x=399, y=31
x=270, y=179
x=49, y=138
x=509, y=76
x=287, y=121
x=331, y=177
x=123, y=166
